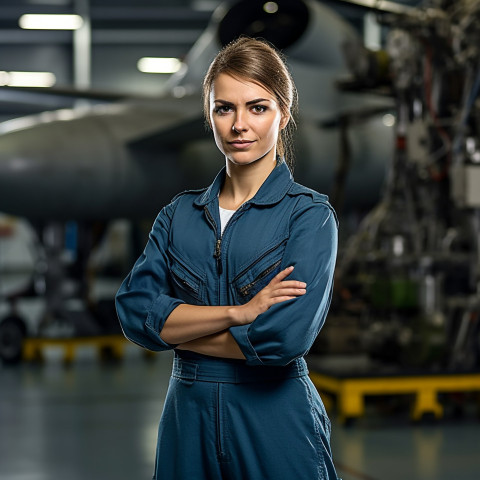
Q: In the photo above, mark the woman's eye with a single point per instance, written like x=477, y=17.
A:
x=259, y=108
x=222, y=109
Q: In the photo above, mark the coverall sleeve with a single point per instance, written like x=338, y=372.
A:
x=143, y=301
x=287, y=330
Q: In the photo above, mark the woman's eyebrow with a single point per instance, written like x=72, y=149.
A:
x=223, y=102
x=257, y=100
x=250, y=102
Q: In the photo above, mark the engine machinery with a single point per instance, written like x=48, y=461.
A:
x=408, y=278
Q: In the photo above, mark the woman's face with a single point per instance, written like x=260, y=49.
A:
x=245, y=119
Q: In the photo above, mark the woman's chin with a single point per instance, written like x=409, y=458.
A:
x=245, y=160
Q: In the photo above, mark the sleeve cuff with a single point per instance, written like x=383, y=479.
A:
x=158, y=314
x=240, y=334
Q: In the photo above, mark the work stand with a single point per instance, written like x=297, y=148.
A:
x=348, y=392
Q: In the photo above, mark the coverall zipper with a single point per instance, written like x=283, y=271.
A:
x=270, y=250
x=184, y=282
x=218, y=244
x=218, y=255
x=245, y=290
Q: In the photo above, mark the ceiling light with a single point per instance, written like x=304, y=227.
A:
x=4, y=78
x=388, y=120
x=50, y=22
x=27, y=79
x=159, y=65
x=271, y=7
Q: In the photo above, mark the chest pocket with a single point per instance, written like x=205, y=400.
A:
x=187, y=283
x=258, y=273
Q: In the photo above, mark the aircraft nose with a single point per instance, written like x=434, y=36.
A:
x=20, y=170
x=46, y=167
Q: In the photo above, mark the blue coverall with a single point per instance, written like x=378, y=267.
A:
x=254, y=419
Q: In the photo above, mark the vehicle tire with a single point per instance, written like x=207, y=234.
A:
x=12, y=333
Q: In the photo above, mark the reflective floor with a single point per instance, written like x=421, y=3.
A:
x=97, y=421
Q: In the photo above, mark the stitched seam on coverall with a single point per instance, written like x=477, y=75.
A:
x=320, y=461
x=223, y=456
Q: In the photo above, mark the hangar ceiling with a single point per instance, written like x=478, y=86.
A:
x=122, y=32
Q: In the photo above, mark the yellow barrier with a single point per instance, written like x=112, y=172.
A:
x=350, y=392
x=114, y=345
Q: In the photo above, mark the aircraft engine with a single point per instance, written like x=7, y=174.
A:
x=409, y=277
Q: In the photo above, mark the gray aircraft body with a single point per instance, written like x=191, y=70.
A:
x=127, y=159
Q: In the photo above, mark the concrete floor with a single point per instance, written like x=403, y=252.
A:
x=95, y=421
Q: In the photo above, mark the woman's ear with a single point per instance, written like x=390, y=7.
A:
x=284, y=121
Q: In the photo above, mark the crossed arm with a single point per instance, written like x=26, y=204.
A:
x=204, y=329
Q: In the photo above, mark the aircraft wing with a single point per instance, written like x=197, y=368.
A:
x=172, y=136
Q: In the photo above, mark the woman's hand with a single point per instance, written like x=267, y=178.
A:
x=277, y=291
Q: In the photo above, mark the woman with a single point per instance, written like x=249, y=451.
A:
x=237, y=278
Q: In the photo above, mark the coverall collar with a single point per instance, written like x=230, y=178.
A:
x=273, y=189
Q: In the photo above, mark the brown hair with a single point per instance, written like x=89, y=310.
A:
x=260, y=62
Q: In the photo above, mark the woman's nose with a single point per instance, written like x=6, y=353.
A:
x=239, y=124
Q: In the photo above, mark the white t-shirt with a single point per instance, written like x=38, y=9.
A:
x=225, y=216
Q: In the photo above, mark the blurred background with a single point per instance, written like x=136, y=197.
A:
x=101, y=125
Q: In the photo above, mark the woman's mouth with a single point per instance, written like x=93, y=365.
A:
x=241, y=144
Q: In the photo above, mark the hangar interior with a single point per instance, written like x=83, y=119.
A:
x=101, y=125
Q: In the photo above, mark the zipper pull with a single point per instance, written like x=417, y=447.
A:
x=245, y=290
x=218, y=255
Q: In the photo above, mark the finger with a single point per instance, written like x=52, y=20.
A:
x=288, y=292
x=282, y=299
x=290, y=284
x=283, y=274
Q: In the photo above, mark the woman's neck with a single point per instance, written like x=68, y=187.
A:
x=242, y=182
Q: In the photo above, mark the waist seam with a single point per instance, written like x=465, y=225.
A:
x=228, y=373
